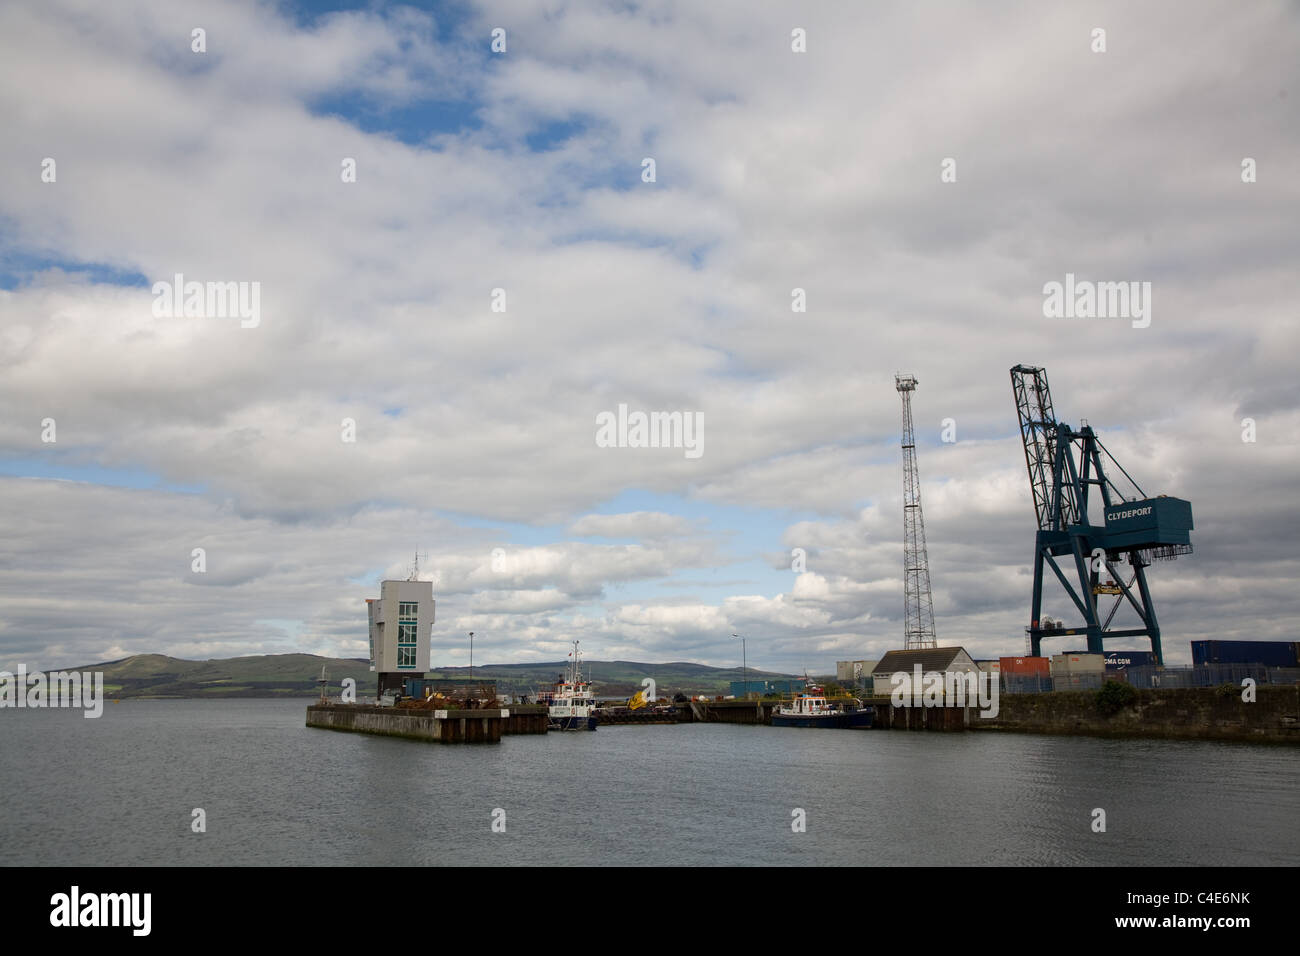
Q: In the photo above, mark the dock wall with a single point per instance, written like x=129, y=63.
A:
x=431, y=726
x=889, y=717
x=729, y=711
x=1202, y=713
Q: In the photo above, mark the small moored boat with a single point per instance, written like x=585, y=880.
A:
x=570, y=704
x=811, y=709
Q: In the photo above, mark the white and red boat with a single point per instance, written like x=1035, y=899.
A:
x=570, y=703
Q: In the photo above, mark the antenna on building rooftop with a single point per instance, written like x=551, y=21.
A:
x=415, y=565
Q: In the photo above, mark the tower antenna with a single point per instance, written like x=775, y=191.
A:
x=918, y=604
x=415, y=565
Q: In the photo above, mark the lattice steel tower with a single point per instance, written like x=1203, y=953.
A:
x=918, y=605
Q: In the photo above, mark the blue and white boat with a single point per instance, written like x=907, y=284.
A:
x=810, y=709
x=570, y=704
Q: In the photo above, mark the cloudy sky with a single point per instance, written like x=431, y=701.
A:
x=522, y=170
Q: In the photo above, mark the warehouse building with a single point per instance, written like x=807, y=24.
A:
x=937, y=660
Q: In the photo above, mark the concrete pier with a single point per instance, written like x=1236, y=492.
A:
x=731, y=711
x=432, y=726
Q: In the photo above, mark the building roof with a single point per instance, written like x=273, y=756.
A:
x=930, y=659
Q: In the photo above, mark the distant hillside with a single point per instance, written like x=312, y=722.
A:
x=613, y=678
x=264, y=675
x=294, y=675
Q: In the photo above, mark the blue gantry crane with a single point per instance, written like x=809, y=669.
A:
x=1065, y=465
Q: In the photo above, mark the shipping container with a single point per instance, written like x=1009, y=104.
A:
x=1117, y=660
x=1084, y=663
x=763, y=688
x=1270, y=653
x=989, y=666
x=1078, y=680
x=1024, y=666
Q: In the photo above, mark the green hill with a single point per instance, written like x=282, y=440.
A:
x=612, y=678
x=267, y=675
x=295, y=675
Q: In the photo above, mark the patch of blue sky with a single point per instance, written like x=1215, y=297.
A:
x=413, y=123
x=449, y=15
x=699, y=254
x=307, y=12
x=19, y=268
x=554, y=134
x=95, y=475
x=571, y=183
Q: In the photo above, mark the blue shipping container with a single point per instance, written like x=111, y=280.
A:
x=1269, y=653
x=1116, y=660
x=762, y=687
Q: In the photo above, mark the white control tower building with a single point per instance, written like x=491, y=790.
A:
x=401, y=630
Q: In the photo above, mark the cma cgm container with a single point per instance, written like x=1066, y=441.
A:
x=1024, y=666
x=1118, y=660
x=1268, y=653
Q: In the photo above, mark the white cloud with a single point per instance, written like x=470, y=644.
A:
x=776, y=170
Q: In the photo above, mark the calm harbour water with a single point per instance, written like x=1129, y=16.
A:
x=120, y=790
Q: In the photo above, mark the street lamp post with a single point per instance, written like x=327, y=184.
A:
x=744, y=666
x=471, y=655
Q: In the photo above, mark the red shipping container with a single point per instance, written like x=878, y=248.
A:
x=1025, y=666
